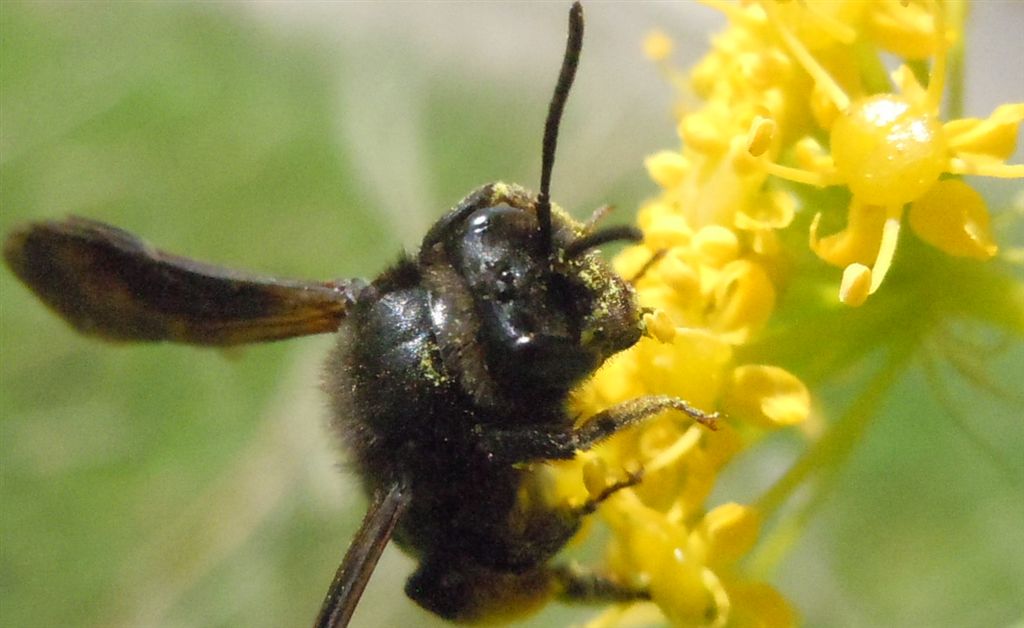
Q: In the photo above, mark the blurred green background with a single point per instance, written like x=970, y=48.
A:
x=171, y=486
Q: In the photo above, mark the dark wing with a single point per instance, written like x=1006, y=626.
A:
x=107, y=282
x=387, y=507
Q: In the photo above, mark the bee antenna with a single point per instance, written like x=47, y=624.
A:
x=596, y=238
x=565, y=78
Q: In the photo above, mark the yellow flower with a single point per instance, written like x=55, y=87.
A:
x=791, y=93
x=888, y=146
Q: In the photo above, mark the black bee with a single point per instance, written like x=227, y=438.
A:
x=450, y=375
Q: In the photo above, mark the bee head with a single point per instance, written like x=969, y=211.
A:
x=546, y=310
x=521, y=300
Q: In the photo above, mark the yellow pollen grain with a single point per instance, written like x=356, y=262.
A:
x=760, y=136
x=856, y=285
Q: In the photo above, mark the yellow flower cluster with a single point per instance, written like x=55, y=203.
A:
x=886, y=143
x=791, y=92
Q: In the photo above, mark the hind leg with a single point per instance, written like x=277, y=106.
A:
x=536, y=529
x=576, y=584
x=588, y=507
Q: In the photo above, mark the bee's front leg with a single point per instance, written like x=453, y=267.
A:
x=629, y=413
x=546, y=442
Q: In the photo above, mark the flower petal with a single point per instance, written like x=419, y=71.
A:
x=953, y=218
x=742, y=301
x=860, y=240
x=727, y=533
x=767, y=396
x=995, y=136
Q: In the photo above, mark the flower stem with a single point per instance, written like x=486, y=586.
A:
x=825, y=458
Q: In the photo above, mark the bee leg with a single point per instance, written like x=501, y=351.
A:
x=588, y=507
x=648, y=265
x=576, y=584
x=629, y=413
x=524, y=444
x=597, y=216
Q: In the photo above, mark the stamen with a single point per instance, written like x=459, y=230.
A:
x=796, y=48
x=937, y=77
x=977, y=165
x=887, y=249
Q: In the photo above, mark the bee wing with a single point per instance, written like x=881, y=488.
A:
x=107, y=282
x=349, y=581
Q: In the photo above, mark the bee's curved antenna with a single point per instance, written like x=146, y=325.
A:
x=565, y=78
x=596, y=238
